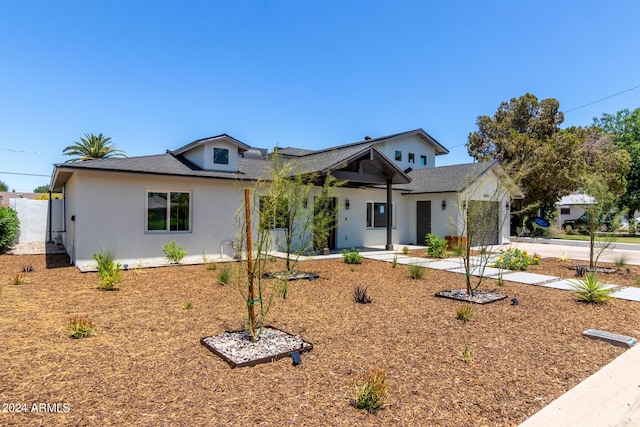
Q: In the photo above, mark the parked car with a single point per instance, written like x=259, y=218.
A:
x=583, y=222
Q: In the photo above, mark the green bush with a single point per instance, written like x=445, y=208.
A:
x=436, y=245
x=515, y=259
x=108, y=270
x=80, y=327
x=591, y=290
x=352, y=256
x=416, y=272
x=224, y=276
x=9, y=228
x=465, y=312
x=372, y=392
x=173, y=252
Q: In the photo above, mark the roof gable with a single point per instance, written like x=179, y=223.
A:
x=212, y=139
x=451, y=179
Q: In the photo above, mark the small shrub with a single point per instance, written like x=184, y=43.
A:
x=371, y=393
x=436, y=245
x=563, y=257
x=458, y=249
x=352, y=256
x=360, y=295
x=27, y=268
x=9, y=228
x=416, y=272
x=465, y=312
x=212, y=266
x=108, y=270
x=405, y=250
x=80, y=327
x=394, y=263
x=283, y=287
x=18, y=280
x=591, y=290
x=621, y=260
x=173, y=252
x=515, y=259
x=467, y=353
x=224, y=276
x=188, y=305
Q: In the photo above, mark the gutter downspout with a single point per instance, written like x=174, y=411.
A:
x=389, y=245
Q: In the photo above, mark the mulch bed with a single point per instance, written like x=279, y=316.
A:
x=145, y=364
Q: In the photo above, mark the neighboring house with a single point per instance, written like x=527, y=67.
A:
x=5, y=196
x=573, y=206
x=192, y=194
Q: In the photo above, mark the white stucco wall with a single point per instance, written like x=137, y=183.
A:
x=409, y=144
x=113, y=215
x=443, y=222
x=33, y=217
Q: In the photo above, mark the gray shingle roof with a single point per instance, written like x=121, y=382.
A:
x=445, y=179
x=168, y=164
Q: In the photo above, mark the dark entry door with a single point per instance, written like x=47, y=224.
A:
x=423, y=226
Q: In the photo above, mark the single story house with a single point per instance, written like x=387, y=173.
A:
x=191, y=195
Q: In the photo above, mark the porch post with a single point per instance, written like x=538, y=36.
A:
x=389, y=246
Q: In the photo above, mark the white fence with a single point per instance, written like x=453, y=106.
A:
x=34, y=219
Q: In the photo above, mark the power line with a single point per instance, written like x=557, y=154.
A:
x=602, y=99
x=26, y=174
x=30, y=152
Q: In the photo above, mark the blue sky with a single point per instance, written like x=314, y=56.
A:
x=157, y=75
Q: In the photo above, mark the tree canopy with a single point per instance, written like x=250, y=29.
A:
x=3, y=186
x=92, y=147
x=547, y=162
x=41, y=189
x=625, y=128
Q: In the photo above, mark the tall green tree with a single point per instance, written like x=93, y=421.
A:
x=547, y=162
x=41, y=189
x=3, y=186
x=525, y=136
x=625, y=128
x=92, y=147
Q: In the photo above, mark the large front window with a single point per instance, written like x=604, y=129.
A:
x=168, y=211
x=377, y=215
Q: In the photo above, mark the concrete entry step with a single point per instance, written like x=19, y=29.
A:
x=614, y=339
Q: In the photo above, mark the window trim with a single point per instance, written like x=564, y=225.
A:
x=411, y=158
x=370, y=211
x=167, y=230
x=398, y=155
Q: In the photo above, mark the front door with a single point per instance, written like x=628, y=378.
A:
x=423, y=225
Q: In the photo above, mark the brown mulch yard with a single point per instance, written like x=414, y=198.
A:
x=146, y=366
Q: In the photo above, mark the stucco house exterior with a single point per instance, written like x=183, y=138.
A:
x=191, y=195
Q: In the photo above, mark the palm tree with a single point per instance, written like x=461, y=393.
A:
x=92, y=147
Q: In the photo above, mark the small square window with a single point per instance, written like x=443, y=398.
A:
x=398, y=156
x=412, y=158
x=565, y=210
x=221, y=156
x=423, y=160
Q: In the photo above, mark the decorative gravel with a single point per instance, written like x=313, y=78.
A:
x=294, y=275
x=478, y=297
x=237, y=349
